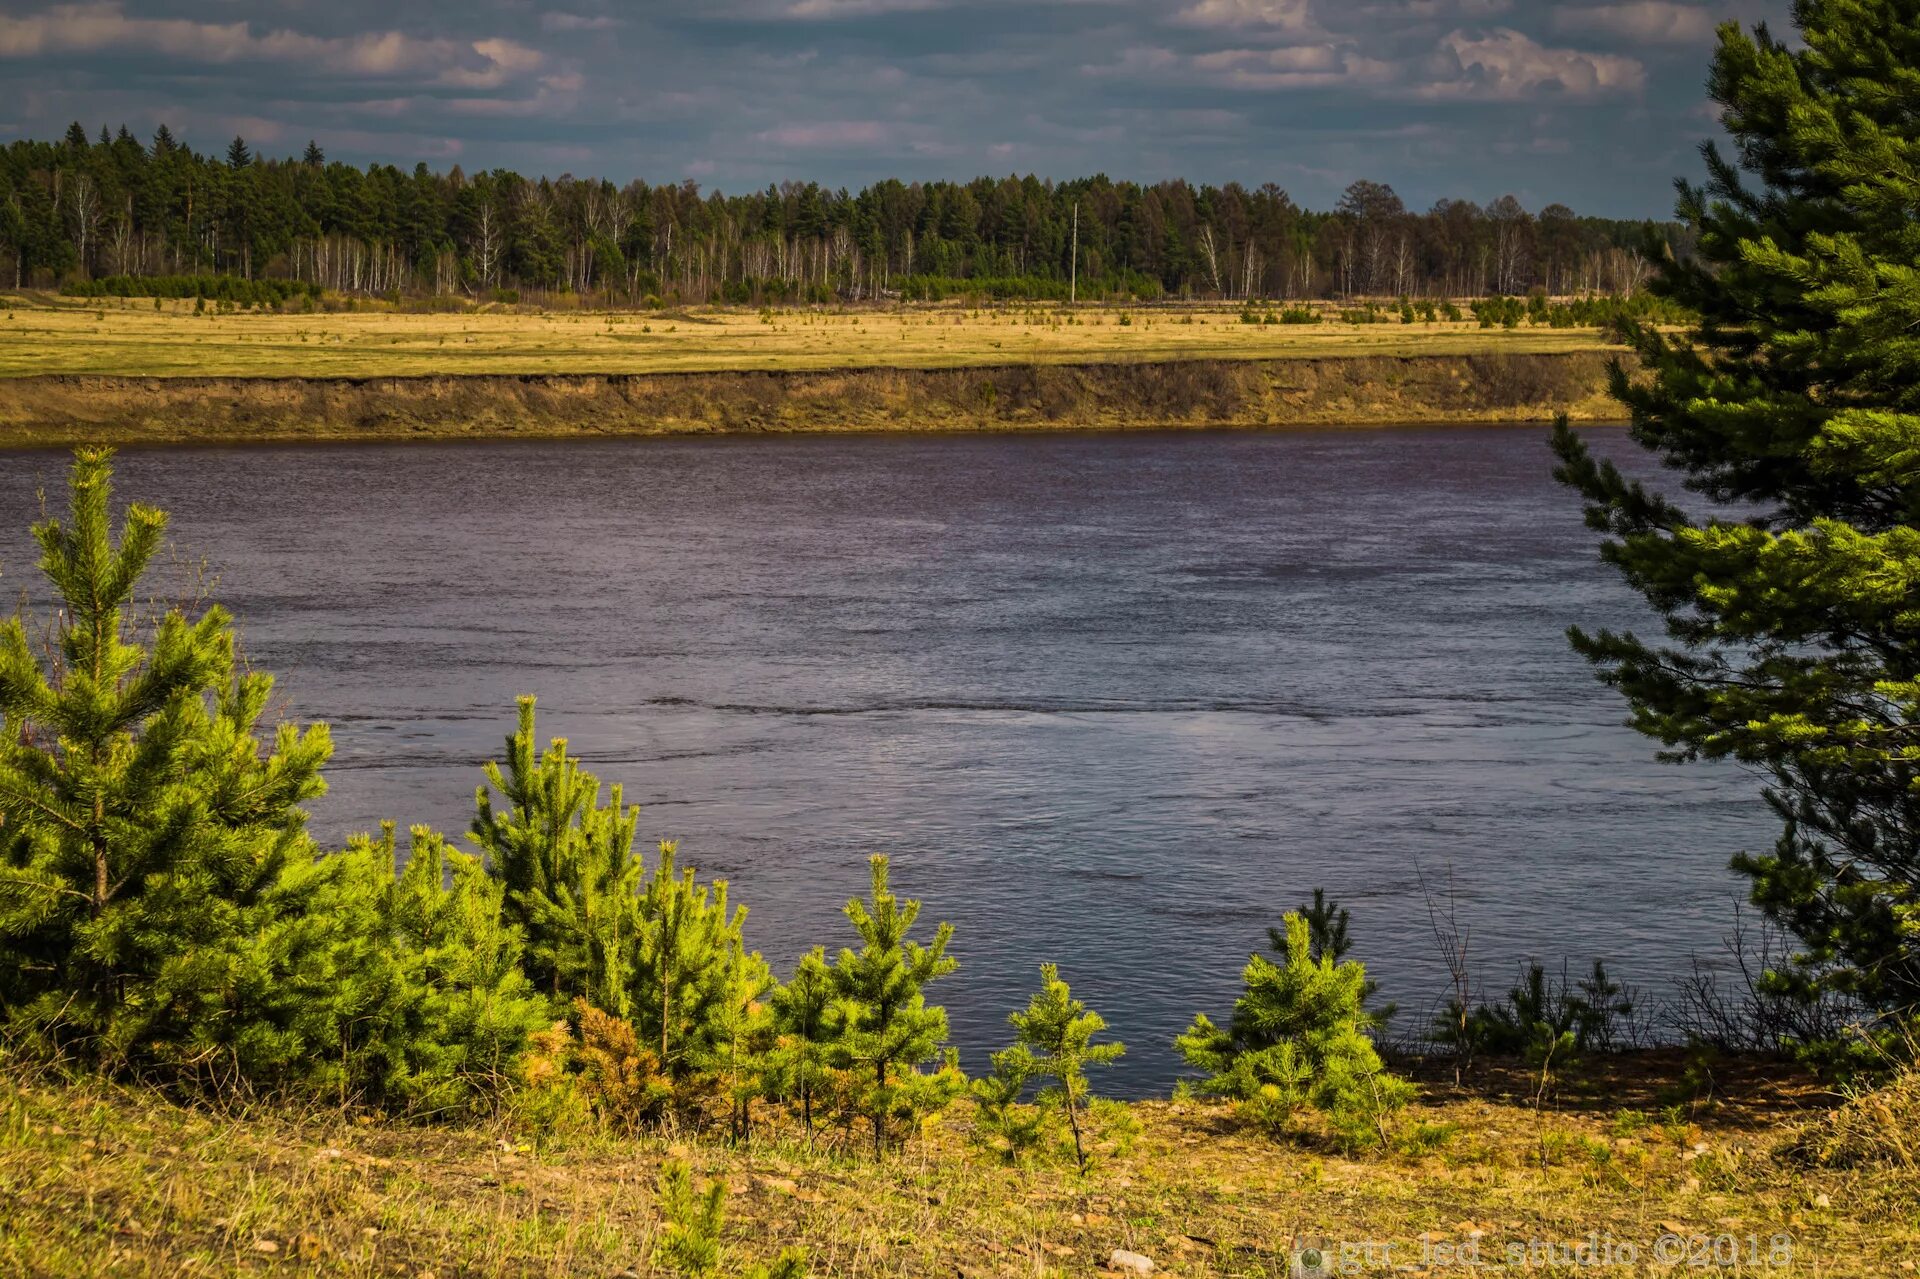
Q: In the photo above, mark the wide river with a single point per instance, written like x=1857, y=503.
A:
x=1116, y=701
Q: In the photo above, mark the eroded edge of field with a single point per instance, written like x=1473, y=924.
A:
x=65, y=409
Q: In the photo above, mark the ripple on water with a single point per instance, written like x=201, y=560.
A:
x=1115, y=701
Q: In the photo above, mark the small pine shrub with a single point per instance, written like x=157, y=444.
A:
x=797, y=1066
x=1299, y=1040
x=1057, y=1031
x=1003, y=1123
x=1592, y=1012
x=1053, y=1041
x=689, y=1245
x=884, y=1031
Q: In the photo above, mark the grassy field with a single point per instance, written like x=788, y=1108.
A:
x=102, y=1182
x=129, y=337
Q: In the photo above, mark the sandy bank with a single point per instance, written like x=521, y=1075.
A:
x=64, y=409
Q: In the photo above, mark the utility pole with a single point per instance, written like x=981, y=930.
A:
x=1073, y=290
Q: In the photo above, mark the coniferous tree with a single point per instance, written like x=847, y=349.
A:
x=664, y=952
x=1327, y=934
x=144, y=824
x=1056, y=1033
x=1010, y=1125
x=1327, y=922
x=744, y=1034
x=571, y=876
x=1299, y=1037
x=161, y=906
x=1792, y=643
x=885, y=1029
x=688, y=1245
x=684, y=965
x=405, y=982
x=803, y=1021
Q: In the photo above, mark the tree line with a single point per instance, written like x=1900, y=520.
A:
x=81, y=208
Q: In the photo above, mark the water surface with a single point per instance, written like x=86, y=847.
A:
x=1112, y=700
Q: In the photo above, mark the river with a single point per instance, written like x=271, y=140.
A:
x=1112, y=700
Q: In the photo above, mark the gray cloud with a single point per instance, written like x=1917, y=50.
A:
x=1592, y=103
x=1504, y=65
x=484, y=62
x=1645, y=21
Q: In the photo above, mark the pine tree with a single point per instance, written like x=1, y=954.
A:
x=1327, y=934
x=144, y=824
x=403, y=986
x=1004, y=1121
x=1327, y=923
x=662, y=952
x=688, y=1244
x=1298, y=1038
x=571, y=877
x=803, y=1020
x=744, y=1036
x=683, y=966
x=1792, y=641
x=1056, y=1033
x=886, y=1030
x=1008, y=1124
x=238, y=157
x=314, y=158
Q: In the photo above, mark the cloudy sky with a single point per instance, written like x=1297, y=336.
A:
x=1597, y=103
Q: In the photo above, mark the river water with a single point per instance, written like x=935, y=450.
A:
x=1112, y=700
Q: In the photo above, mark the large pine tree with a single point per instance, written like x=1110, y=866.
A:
x=1793, y=615
x=144, y=823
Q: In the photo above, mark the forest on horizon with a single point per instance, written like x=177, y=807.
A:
x=86, y=209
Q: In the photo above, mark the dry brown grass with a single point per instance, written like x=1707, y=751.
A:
x=1876, y=1128
x=130, y=337
x=101, y=1182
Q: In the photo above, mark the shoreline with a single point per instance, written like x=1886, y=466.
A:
x=59, y=410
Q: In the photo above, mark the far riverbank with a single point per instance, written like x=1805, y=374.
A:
x=55, y=410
